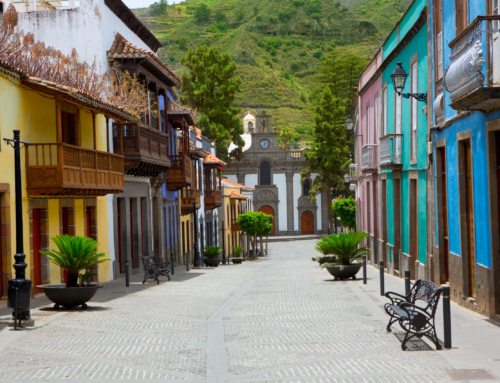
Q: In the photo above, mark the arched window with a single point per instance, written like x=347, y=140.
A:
x=306, y=186
x=265, y=173
x=250, y=127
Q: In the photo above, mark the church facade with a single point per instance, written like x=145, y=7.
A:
x=275, y=174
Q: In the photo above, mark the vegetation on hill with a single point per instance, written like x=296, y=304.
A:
x=278, y=45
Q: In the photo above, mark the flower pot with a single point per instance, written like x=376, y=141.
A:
x=237, y=261
x=214, y=262
x=69, y=296
x=344, y=272
x=325, y=259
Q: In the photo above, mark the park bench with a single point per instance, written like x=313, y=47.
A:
x=153, y=268
x=416, y=321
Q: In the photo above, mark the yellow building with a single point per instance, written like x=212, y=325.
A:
x=67, y=171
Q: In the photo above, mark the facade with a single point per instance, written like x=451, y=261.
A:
x=275, y=174
x=466, y=141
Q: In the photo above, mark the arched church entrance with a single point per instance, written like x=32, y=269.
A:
x=268, y=210
x=307, y=222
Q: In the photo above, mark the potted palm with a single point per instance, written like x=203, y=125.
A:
x=345, y=248
x=237, y=254
x=211, y=256
x=74, y=254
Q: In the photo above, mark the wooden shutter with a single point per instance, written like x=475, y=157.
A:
x=461, y=15
x=439, y=56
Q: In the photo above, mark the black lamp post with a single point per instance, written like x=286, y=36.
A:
x=223, y=243
x=335, y=218
x=196, y=260
x=19, y=288
x=399, y=80
x=347, y=181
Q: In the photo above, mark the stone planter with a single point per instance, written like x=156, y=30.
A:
x=344, y=272
x=325, y=260
x=236, y=261
x=69, y=296
x=214, y=262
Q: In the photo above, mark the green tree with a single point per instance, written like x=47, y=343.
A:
x=210, y=85
x=202, y=13
x=346, y=210
x=220, y=17
x=240, y=14
x=284, y=137
x=329, y=154
x=159, y=8
x=183, y=44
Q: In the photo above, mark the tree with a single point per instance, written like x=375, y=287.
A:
x=159, y=8
x=202, y=13
x=220, y=17
x=284, y=137
x=329, y=154
x=346, y=210
x=209, y=86
x=240, y=14
x=264, y=227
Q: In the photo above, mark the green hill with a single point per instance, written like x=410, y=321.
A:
x=277, y=45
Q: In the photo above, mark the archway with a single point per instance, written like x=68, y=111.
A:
x=307, y=222
x=268, y=210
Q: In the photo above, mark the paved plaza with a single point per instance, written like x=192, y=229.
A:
x=276, y=319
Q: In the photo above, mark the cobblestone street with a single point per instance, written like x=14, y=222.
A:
x=278, y=319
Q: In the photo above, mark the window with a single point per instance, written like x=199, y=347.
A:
x=375, y=118
x=265, y=173
x=414, y=110
x=494, y=11
x=367, y=123
x=69, y=124
x=384, y=113
x=398, y=112
x=306, y=186
x=461, y=15
x=1, y=7
x=438, y=38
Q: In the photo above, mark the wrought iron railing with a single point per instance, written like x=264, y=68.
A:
x=369, y=156
x=391, y=146
x=469, y=51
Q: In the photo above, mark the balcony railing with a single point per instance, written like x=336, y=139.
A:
x=469, y=83
x=188, y=196
x=58, y=169
x=353, y=173
x=369, y=158
x=213, y=199
x=235, y=226
x=179, y=173
x=391, y=146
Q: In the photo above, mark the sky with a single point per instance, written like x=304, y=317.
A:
x=145, y=3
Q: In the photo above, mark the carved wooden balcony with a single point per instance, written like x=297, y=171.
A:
x=188, y=196
x=145, y=150
x=471, y=85
x=59, y=169
x=235, y=226
x=391, y=148
x=179, y=174
x=213, y=199
x=369, y=159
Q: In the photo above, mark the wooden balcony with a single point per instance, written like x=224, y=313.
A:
x=235, y=226
x=188, y=196
x=65, y=170
x=179, y=173
x=213, y=199
x=145, y=150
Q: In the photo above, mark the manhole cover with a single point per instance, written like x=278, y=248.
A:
x=470, y=374
x=413, y=344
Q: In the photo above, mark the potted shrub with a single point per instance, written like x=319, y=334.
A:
x=75, y=253
x=211, y=256
x=237, y=254
x=345, y=247
x=324, y=246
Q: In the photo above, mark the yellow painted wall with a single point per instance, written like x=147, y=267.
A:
x=103, y=237
x=54, y=229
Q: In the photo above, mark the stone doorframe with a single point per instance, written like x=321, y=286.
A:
x=5, y=238
x=268, y=196
x=304, y=204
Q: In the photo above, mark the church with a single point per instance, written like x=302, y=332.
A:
x=275, y=174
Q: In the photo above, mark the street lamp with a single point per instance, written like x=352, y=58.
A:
x=347, y=179
x=399, y=80
x=349, y=123
x=196, y=260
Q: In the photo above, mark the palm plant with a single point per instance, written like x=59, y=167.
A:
x=237, y=251
x=212, y=252
x=344, y=246
x=75, y=253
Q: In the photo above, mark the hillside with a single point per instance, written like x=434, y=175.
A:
x=277, y=45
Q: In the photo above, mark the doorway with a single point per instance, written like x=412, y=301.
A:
x=397, y=222
x=268, y=210
x=37, y=241
x=307, y=221
x=469, y=211
x=444, y=218
x=414, y=218
x=119, y=224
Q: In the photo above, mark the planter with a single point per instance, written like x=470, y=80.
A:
x=236, y=261
x=214, y=262
x=69, y=296
x=325, y=260
x=344, y=272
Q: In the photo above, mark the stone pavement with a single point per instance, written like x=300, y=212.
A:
x=277, y=319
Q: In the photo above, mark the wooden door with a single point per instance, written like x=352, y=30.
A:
x=307, y=222
x=415, y=217
x=470, y=220
x=119, y=220
x=131, y=217
x=444, y=203
x=268, y=210
x=37, y=240
x=1, y=265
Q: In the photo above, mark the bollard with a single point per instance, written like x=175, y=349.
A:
x=447, y=316
x=187, y=261
x=127, y=276
x=172, y=261
x=364, y=269
x=407, y=285
x=382, y=289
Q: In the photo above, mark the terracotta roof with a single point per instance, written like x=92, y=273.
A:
x=234, y=194
x=211, y=159
x=197, y=151
x=230, y=183
x=121, y=48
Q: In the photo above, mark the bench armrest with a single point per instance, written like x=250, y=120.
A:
x=396, y=298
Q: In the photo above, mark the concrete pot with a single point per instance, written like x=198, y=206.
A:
x=344, y=272
x=69, y=296
x=212, y=262
x=237, y=261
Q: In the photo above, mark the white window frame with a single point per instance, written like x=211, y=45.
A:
x=384, y=111
x=414, y=111
x=375, y=117
x=368, y=123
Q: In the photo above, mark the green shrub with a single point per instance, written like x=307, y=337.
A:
x=273, y=43
x=298, y=43
x=261, y=43
x=220, y=17
x=240, y=14
x=272, y=51
x=284, y=16
x=237, y=251
x=264, y=84
x=298, y=3
x=344, y=246
x=258, y=18
x=194, y=33
x=212, y=252
x=303, y=97
x=294, y=65
x=318, y=53
x=171, y=58
x=346, y=211
x=272, y=19
x=302, y=53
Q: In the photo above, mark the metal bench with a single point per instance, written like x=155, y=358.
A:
x=153, y=268
x=415, y=320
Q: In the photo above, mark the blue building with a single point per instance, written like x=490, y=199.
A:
x=465, y=66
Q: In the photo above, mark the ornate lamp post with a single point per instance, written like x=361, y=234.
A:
x=399, y=80
x=196, y=260
x=223, y=244
x=335, y=218
x=20, y=287
x=349, y=123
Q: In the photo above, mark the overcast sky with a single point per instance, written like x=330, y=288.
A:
x=145, y=3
